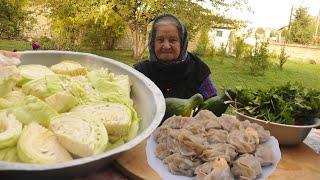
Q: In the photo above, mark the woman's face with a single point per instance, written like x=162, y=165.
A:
x=167, y=42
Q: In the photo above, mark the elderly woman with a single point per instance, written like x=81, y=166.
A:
x=175, y=71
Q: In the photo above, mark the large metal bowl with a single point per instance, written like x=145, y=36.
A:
x=148, y=101
x=285, y=134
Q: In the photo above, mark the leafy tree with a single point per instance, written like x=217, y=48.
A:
x=301, y=28
x=139, y=14
x=14, y=18
x=75, y=23
x=260, y=30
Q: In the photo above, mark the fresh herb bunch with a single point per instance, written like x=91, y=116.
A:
x=288, y=104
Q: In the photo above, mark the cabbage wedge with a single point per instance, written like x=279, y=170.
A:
x=33, y=71
x=34, y=109
x=12, y=99
x=39, y=145
x=61, y=101
x=81, y=134
x=70, y=68
x=9, y=75
x=115, y=117
x=9, y=154
x=43, y=87
x=10, y=130
x=112, y=88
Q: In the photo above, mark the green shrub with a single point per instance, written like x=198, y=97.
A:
x=258, y=59
x=202, y=44
x=283, y=57
x=222, y=52
x=240, y=48
x=312, y=61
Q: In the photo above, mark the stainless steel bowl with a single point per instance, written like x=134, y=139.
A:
x=285, y=134
x=148, y=101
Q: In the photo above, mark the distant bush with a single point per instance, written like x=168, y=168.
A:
x=283, y=57
x=258, y=58
x=222, y=52
x=312, y=61
x=202, y=44
x=240, y=48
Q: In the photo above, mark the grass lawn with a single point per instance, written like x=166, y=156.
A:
x=223, y=75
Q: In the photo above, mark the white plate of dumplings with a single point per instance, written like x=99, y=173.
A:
x=210, y=147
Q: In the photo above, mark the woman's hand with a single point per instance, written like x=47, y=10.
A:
x=8, y=58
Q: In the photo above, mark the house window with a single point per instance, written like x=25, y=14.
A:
x=219, y=33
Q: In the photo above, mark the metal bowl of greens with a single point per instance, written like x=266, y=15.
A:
x=148, y=103
x=288, y=111
x=285, y=134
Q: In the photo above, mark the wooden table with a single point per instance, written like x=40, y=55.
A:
x=297, y=162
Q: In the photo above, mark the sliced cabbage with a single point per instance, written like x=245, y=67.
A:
x=33, y=71
x=9, y=154
x=34, y=109
x=95, y=75
x=9, y=75
x=39, y=145
x=115, y=117
x=82, y=90
x=42, y=87
x=112, y=88
x=81, y=134
x=70, y=68
x=116, y=144
x=10, y=130
x=12, y=99
x=134, y=128
x=61, y=101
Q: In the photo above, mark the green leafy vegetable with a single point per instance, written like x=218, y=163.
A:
x=287, y=104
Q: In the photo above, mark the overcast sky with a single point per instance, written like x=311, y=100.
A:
x=273, y=13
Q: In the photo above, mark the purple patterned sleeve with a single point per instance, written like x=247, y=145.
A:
x=207, y=88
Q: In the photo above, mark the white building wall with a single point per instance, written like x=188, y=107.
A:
x=219, y=37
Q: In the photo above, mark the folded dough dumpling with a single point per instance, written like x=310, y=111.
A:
x=229, y=122
x=225, y=151
x=263, y=134
x=189, y=144
x=265, y=154
x=181, y=165
x=245, y=141
x=246, y=166
x=216, y=136
x=208, y=120
x=218, y=169
x=176, y=122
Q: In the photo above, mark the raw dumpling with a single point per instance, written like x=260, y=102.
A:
x=226, y=151
x=195, y=127
x=229, y=122
x=244, y=140
x=176, y=122
x=263, y=134
x=265, y=155
x=181, y=165
x=216, y=136
x=162, y=151
x=208, y=119
x=246, y=167
x=189, y=144
x=214, y=170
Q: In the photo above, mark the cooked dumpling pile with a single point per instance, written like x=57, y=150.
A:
x=210, y=147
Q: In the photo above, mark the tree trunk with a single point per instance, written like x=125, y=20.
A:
x=139, y=43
